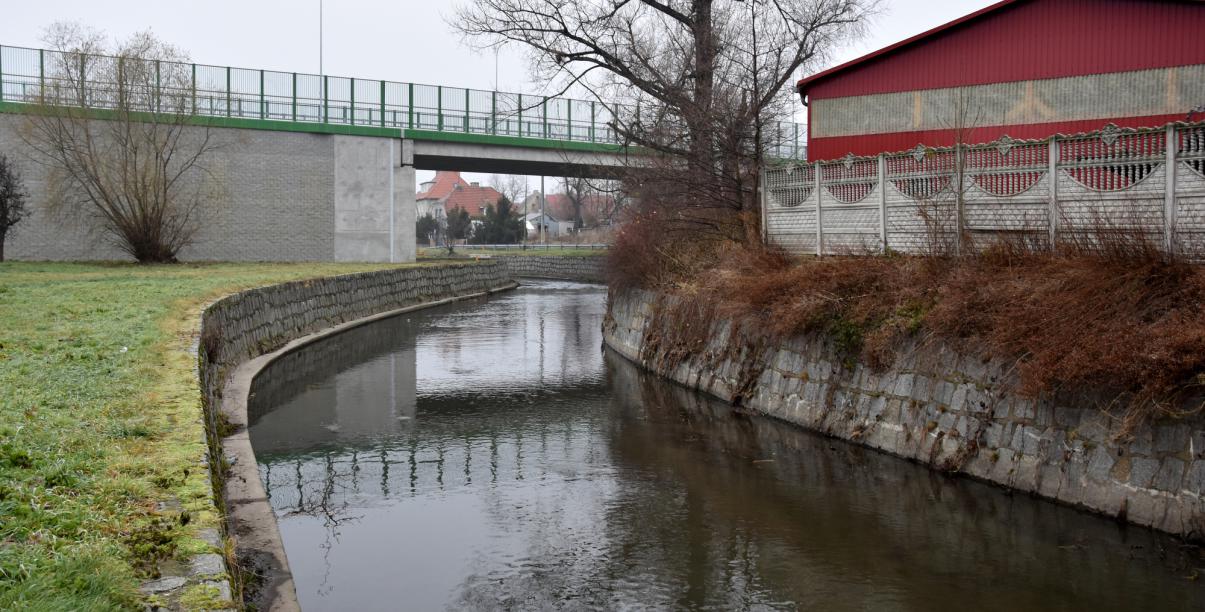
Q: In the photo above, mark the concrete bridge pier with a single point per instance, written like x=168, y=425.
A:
x=374, y=199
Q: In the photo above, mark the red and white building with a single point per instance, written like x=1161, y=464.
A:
x=1027, y=69
x=447, y=191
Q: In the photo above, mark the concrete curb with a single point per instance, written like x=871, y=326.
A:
x=250, y=517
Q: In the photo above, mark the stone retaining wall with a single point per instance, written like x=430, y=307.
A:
x=952, y=412
x=242, y=327
x=586, y=269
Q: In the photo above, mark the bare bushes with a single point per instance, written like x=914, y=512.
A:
x=119, y=138
x=1112, y=316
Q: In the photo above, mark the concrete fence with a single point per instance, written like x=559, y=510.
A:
x=1148, y=182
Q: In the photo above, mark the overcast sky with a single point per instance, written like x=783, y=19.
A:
x=397, y=40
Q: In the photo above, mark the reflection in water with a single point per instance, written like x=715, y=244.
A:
x=488, y=455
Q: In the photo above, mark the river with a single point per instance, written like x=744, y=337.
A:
x=491, y=455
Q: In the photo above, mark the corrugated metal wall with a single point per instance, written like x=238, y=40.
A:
x=1036, y=39
x=1032, y=44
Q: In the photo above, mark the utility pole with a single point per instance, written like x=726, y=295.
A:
x=543, y=214
x=320, y=33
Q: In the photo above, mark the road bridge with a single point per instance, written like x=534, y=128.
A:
x=349, y=145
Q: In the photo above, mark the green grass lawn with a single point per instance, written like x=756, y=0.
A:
x=100, y=420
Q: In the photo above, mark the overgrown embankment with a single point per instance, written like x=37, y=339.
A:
x=1130, y=326
x=1075, y=376
x=103, y=478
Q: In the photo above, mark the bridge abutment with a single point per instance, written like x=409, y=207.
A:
x=374, y=200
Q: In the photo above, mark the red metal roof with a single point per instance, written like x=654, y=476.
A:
x=1049, y=39
x=801, y=86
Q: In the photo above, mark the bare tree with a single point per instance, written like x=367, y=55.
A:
x=513, y=187
x=116, y=129
x=684, y=78
x=12, y=200
x=578, y=193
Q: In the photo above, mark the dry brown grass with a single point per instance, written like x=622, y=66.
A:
x=1110, y=318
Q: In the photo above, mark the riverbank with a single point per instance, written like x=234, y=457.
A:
x=104, y=483
x=955, y=412
x=245, y=332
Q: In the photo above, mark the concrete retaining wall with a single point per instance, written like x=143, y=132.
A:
x=274, y=196
x=586, y=269
x=954, y=413
x=242, y=333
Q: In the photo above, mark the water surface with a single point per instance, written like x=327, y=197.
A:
x=490, y=455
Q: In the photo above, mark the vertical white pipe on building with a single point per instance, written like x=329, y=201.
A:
x=392, y=214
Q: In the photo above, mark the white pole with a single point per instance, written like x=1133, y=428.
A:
x=320, y=72
x=543, y=214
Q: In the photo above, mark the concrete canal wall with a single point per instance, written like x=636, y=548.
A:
x=243, y=333
x=950, y=411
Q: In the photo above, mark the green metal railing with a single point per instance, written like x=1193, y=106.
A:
x=39, y=76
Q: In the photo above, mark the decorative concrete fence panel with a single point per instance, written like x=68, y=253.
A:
x=1078, y=188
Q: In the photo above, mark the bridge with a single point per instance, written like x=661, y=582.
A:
x=364, y=125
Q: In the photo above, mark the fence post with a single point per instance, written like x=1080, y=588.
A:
x=194, y=89
x=819, y=219
x=1, y=73
x=382, y=102
x=544, y=111
x=158, y=88
x=1052, y=173
x=763, y=199
x=592, y=120
x=1171, y=164
x=294, y=97
x=466, y=110
x=263, y=106
x=353, y=101
x=959, y=203
x=410, y=106
x=227, y=91
x=882, y=197
x=521, y=131
x=326, y=95
x=439, y=107
x=494, y=113
x=42, y=74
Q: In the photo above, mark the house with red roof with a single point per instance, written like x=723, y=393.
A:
x=1026, y=69
x=448, y=191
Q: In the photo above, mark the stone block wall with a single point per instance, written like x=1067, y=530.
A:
x=954, y=413
x=245, y=325
x=586, y=269
x=270, y=196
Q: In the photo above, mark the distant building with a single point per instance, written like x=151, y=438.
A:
x=448, y=191
x=596, y=208
x=1027, y=69
x=532, y=223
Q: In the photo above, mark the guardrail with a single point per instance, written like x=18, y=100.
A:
x=34, y=76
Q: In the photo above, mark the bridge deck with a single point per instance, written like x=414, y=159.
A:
x=292, y=101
